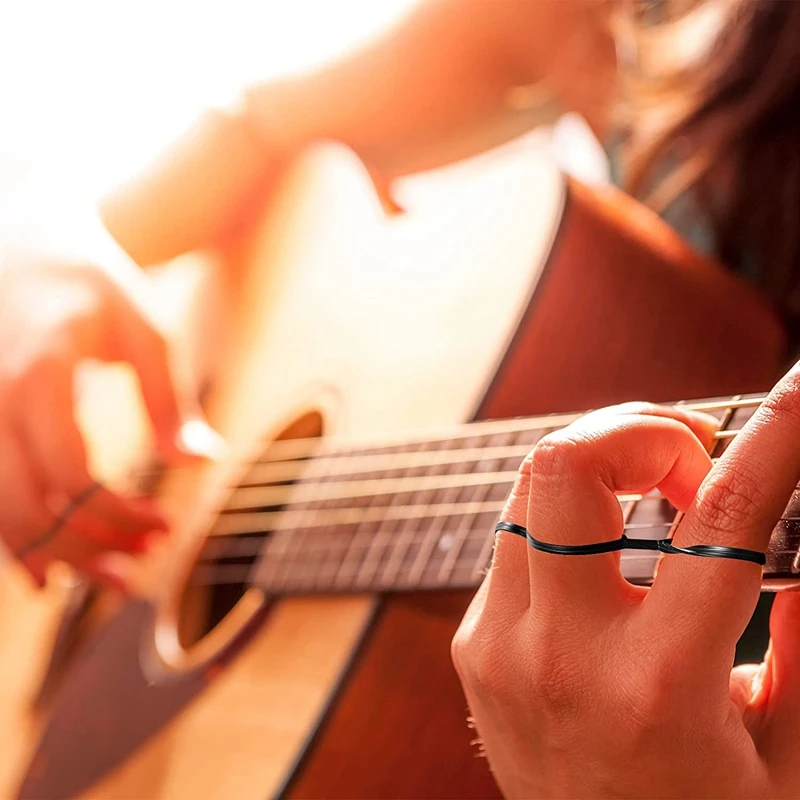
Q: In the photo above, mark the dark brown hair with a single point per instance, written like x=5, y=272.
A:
x=726, y=125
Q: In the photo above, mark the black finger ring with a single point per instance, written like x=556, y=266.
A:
x=59, y=522
x=624, y=543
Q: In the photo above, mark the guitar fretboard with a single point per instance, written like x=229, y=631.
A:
x=415, y=515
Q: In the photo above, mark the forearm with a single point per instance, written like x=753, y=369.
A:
x=441, y=85
x=196, y=192
x=430, y=91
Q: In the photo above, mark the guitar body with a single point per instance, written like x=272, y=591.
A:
x=504, y=290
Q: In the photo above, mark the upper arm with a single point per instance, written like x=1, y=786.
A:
x=435, y=86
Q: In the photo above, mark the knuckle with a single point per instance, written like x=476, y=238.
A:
x=651, y=703
x=484, y=669
x=560, y=455
x=482, y=663
x=635, y=407
x=555, y=682
x=784, y=401
x=648, y=704
x=461, y=651
x=643, y=701
x=729, y=501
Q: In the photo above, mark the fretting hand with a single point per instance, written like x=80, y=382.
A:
x=583, y=685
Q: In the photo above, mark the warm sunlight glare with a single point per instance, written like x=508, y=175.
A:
x=96, y=79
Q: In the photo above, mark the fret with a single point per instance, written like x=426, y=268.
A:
x=306, y=582
x=738, y=419
x=292, y=550
x=481, y=563
x=725, y=417
x=262, y=521
x=331, y=542
x=351, y=488
x=409, y=536
x=468, y=522
x=437, y=530
x=786, y=538
x=648, y=518
x=384, y=539
x=445, y=532
x=525, y=439
x=356, y=539
x=476, y=549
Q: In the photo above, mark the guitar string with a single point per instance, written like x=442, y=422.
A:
x=389, y=539
x=316, y=450
x=433, y=535
x=454, y=564
x=245, y=500
x=223, y=573
x=345, y=571
x=462, y=535
x=233, y=522
x=251, y=547
x=305, y=469
x=217, y=548
x=248, y=497
x=405, y=540
x=253, y=524
x=218, y=574
x=235, y=574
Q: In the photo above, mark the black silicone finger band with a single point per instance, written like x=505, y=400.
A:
x=624, y=543
x=59, y=522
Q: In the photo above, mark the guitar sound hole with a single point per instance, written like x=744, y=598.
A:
x=227, y=560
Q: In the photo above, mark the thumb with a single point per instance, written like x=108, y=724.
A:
x=773, y=715
x=783, y=658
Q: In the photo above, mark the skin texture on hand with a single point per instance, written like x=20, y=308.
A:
x=583, y=685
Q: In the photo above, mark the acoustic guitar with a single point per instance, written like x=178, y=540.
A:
x=369, y=374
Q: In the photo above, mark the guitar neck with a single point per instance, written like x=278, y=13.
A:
x=419, y=514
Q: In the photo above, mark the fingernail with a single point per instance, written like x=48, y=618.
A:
x=197, y=438
x=708, y=424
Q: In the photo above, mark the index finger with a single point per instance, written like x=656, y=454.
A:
x=707, y=602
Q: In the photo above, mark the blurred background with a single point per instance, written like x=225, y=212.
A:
x=108, y=82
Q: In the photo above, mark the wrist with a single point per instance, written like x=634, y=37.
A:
x=273, y=117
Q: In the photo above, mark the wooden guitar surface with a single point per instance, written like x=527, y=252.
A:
x=374, y=326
